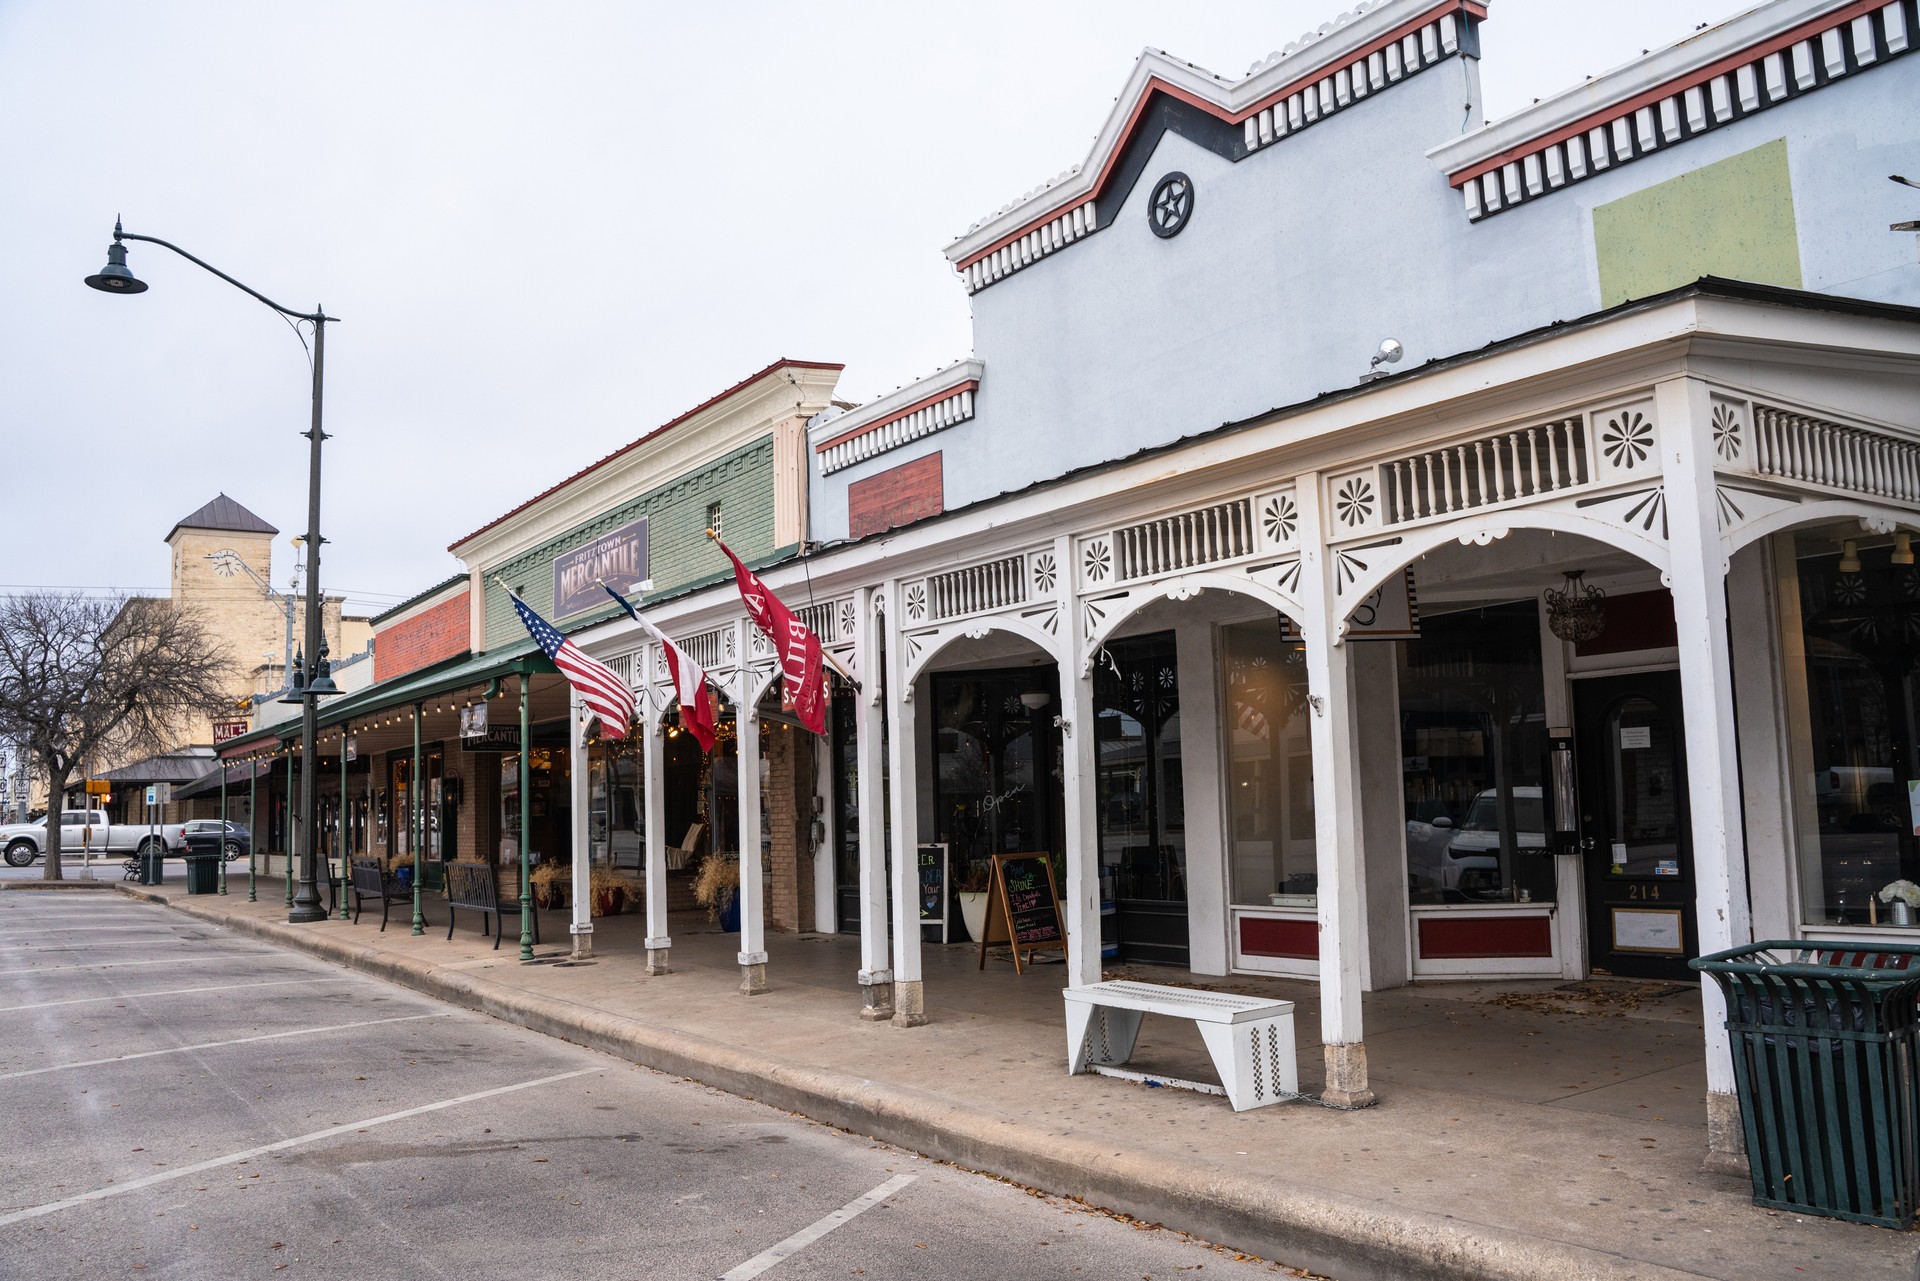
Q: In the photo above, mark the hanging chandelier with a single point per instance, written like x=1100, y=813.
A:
x=1579, y=613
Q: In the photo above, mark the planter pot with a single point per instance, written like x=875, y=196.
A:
x=730, y=915
x=973, y=911
x=1902, y=913
x=609, y=902
x=550, y=898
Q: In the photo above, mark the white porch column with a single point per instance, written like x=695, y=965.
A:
x=1078, y=774
x=909, y=989
x=1336, y=811
x=582, y=906
x=876, y=971
x=653, y=795
x=1698, y=580
x=753, y=907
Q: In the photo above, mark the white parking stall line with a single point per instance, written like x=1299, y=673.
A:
x=115, y=965
x=135, y=1185
x=808, y=1235
x=214, y=1045
x=171, y=991
x=14, y=951
x=113, y=929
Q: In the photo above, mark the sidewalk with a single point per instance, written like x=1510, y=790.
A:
x=1523, y=1131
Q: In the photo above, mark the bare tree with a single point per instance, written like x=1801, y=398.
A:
x=83, y=677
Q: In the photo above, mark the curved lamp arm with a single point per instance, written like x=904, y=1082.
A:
x=318, y=317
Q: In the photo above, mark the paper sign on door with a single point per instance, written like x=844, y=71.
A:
x=1634, y=737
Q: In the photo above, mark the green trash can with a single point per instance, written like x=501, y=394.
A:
x=204, y=857
x=152, y=859
x=1824, y=1040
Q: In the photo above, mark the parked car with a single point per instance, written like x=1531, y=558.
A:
x=82, y=830
x=237, y=843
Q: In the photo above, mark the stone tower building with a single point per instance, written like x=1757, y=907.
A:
x=212, y=551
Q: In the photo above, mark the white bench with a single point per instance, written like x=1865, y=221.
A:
x=1250, y=1039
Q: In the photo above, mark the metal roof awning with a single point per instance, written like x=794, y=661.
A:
x=163, y=767
x=447, y=678
x=238, y=776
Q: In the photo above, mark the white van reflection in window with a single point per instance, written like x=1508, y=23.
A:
x=1453, y=864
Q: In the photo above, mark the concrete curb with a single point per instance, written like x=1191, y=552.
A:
x=55, y=887
x=1353, y=1240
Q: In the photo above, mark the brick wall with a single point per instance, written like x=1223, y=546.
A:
x=436, y=633
x=898, y=496
x=789, y=802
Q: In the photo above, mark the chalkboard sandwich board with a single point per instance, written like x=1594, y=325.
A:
x=1023, y=908
x=933, y=889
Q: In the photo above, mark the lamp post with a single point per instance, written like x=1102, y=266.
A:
x=314, y=680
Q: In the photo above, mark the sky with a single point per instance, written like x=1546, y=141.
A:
x=545, y=228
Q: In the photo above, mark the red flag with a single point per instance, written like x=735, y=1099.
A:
x=805, y=687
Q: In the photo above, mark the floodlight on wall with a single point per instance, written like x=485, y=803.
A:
x=1389, y=354
x=1578, y=613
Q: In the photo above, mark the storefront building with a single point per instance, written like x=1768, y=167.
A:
x=1568, y=634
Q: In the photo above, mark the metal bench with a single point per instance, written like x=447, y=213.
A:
x=370, y=880
x=476, y=887
x=1249, y=1038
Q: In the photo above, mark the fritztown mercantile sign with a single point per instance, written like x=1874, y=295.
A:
x=619, y=557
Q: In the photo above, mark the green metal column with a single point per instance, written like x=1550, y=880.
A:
x=253, y=829
x=223, y=821
x=291, y=762
x=419, y=917
x=526, y=813
x=340, y=816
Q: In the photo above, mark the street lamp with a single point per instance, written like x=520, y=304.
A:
x=314, y=678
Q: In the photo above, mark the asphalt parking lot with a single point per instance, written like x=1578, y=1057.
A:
x=184, y=1102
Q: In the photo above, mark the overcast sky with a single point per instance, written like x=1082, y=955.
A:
x=547, y=228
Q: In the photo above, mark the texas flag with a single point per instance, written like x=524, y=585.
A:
x=805, y=686
x=697, y=714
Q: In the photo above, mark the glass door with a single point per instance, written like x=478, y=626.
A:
x=1635, y=837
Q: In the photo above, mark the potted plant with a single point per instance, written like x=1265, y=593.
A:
x=610, y=890
x=972, y=893
x=550, y=884
x=1904, y=896
x=717, y=888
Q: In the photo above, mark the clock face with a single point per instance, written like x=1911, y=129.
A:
x=226, y=567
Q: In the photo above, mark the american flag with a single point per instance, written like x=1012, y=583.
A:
x=604, y=693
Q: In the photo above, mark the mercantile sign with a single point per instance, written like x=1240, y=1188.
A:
x=618, y=556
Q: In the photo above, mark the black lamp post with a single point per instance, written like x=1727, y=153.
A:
x=314, y=679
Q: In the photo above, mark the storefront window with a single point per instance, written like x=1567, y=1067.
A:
x=1473, y=747
x=1859, y=627
x=1270, y=767
x=995, y=764
x=1142, y=830
x=616, y=805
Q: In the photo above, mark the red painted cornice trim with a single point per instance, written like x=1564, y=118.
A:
x=1472, y=8
x=657, y=432
x=1691, y=80
x=971, y=384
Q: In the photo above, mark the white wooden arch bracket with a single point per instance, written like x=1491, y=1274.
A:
x=1373, y=563
x=923, y=646
x=1102, y=616
x=1873, y=519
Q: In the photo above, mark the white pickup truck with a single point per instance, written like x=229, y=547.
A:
x=82, y=830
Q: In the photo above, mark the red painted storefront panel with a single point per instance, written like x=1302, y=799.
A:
x=1294, y=940
x=1463, y=938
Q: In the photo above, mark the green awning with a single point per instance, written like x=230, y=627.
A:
x=446, y=678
